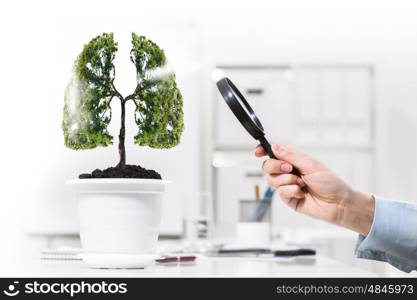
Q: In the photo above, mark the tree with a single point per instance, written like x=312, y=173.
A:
x=87, y=111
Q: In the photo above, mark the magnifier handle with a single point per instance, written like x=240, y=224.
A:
x=267, y=147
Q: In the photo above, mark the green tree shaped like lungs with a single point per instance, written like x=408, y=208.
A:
x=87, y=97
x=158, y=100
x=87, y=112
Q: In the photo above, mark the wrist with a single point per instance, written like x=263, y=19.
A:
x=358, y=211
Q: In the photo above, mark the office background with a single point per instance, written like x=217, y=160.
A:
x=338, y=79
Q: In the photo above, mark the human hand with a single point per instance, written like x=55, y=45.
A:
x=318, y=192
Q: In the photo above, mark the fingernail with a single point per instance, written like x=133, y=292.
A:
x=286, y=167
x=300, y=182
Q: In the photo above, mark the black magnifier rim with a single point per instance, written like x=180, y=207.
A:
x=247, y=117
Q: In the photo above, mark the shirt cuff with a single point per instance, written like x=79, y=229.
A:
x=393, y=235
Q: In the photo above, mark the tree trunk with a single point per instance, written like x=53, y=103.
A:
x=122, y=133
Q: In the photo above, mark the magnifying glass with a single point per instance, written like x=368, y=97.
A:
x=245, y=114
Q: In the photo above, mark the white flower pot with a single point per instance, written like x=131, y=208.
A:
x=119, y=216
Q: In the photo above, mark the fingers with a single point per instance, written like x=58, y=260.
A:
x=275, y=166
x=259, y=151
x=300, y=160
x=291, y=195
x=277, y=181
x=305, y=163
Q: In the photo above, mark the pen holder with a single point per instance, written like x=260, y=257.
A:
x=247, y=207
x=252, y=233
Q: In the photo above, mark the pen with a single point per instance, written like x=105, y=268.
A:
x=263, y=206
x=175, y=259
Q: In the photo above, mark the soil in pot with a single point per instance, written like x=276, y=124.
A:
x=128, y=171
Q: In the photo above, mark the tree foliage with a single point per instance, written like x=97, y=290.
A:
x=87, y=111
x=158, y=100
x=87, y=97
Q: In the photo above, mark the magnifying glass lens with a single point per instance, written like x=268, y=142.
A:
x=243, y=105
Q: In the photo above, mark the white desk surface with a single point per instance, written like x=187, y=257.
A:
x=203, y=267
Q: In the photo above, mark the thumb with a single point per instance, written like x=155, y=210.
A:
x=303, y=162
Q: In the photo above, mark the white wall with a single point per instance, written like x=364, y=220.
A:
x=249, y=32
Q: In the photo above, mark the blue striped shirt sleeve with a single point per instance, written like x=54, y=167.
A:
x=393, y=235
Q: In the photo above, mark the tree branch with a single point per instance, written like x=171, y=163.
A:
x=116, y=92
x=132, y=96
x=111, y=98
